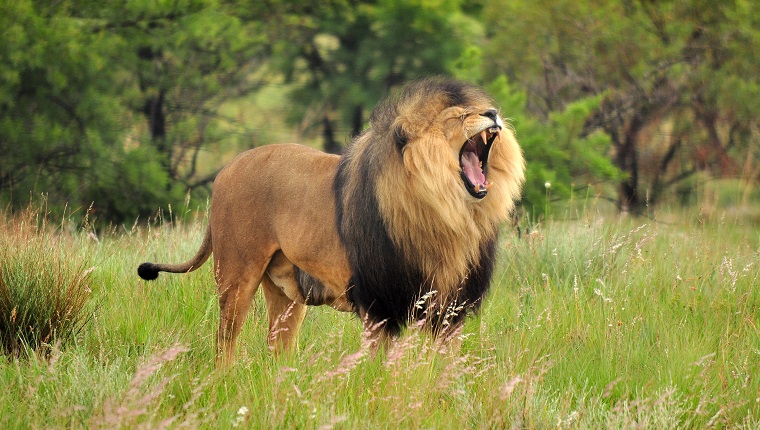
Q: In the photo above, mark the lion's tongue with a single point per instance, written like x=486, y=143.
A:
x=471, y=167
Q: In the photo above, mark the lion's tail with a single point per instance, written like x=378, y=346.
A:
x=149, y=271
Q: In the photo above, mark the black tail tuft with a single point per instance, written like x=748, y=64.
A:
x=147, y=271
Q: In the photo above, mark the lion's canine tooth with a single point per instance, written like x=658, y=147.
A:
x=484, y=136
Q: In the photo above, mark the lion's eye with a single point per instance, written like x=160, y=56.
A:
x=457, y=120
x=453, y=113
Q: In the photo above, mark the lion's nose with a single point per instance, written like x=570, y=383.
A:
x=491, y=113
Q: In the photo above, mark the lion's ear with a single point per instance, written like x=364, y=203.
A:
x=400, y=137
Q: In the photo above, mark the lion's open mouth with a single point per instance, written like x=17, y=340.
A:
x=473, y=160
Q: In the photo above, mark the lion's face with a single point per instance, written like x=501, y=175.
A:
x=471, y=133
x=456, y=138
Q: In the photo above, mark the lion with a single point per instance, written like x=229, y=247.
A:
x=401, y=227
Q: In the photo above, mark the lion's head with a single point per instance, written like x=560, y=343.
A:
x=454, y=122
x=444, y=170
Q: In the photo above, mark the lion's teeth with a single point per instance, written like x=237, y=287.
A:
x=484, y=136
x=482, y=187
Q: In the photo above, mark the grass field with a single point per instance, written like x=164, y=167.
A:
x=599, y=322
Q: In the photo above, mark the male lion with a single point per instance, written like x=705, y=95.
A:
x=403, y=226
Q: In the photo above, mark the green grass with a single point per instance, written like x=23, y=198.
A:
x=596, y=323
x=44, y=288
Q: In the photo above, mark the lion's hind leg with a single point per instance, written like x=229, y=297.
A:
x=285, y=317
x=235, y=298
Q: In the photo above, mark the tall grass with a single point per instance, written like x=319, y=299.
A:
x=597, y=323
x=44, y=287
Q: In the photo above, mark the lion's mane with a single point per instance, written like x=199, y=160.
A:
x=416, y=247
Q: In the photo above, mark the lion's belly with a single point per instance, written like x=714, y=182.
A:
x=302, y=287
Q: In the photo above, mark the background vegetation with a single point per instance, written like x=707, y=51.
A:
x=115, y=117
x=131, y=106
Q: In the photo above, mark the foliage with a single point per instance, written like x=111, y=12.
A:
x=113, y=106
x=674, y=79
x=349, y=56
x=44, y=289
x=560, y=158
x=136, y=105
x=62, y=126
x=58, y=115
x=182, y=61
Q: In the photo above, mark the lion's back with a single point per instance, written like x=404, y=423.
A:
x=276, y=171
x=275, y=189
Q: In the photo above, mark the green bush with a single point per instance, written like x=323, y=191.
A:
x=44, y=289
x=561, y=157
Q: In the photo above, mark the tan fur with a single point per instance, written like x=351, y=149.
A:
x=272, y=207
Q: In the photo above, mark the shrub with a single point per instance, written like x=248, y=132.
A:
x=44, y=287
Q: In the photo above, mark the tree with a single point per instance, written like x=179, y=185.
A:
x=560, y=157
x=59, y=109
x=184, y=60
x=116, y=105
x=348, y=54
x=661, y=67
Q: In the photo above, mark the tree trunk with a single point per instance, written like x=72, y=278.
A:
x=627, y=160
x=357, y=120
x=658, y=187
x=707, y=114
x=328, y=137
x=154, y=113
x=726, y=165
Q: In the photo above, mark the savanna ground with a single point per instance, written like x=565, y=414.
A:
x=594, y=321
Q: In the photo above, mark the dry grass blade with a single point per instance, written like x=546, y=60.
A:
x=131, y=409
